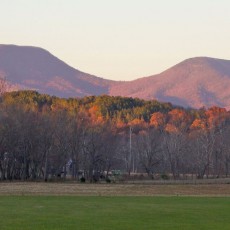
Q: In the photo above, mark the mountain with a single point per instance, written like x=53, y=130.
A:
x=28, y=67
x=195, y=82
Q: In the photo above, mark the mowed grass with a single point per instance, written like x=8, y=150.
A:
x=95, y=212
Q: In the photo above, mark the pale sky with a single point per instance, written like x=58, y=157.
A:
x=119, y=39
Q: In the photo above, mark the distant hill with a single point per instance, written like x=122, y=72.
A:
x=195, y=82
x=35, y=68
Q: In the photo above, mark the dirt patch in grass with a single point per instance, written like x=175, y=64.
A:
x=76, y=189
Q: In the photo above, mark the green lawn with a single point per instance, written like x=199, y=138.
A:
x=68, y=212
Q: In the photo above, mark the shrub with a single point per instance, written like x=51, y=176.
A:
x=108, y=180
x=164, y=177
x=82, y=180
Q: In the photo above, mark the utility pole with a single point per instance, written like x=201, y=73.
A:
x=130, y=149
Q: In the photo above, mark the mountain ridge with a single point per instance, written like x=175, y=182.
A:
x=194, y=82
x=190, y=83
x=35, y=68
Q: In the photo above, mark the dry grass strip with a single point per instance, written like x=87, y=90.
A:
x=76, y=189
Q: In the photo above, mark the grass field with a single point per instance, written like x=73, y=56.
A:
x=77, y=212
x=30, y=205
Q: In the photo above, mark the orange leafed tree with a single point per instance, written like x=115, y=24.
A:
x=215, y=116
x=179, y=118
x=138, y=124
x=158, y=120
x=95, y=115
x=198, y=124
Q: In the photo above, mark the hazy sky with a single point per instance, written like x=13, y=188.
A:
x=119, y=39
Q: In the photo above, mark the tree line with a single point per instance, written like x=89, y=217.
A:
x=43, y=137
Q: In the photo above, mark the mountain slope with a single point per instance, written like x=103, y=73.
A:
x=35, y=68
x=195, y=82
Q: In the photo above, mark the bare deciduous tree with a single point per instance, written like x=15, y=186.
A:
x=174, y=148
x=149, y=148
